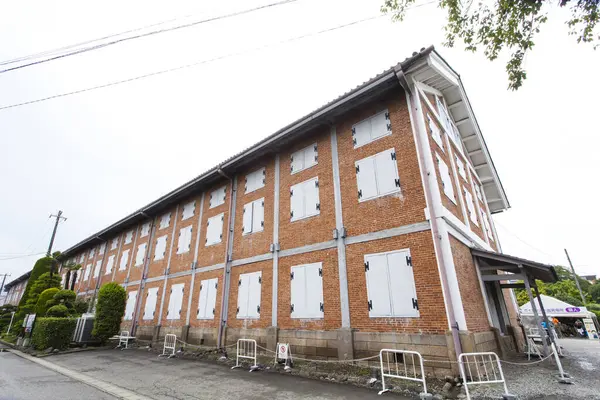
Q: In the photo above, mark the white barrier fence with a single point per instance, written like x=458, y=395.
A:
x=124, y=338
x=401, y=364
x=246, y=348
x=169, y=345
x=481, y=368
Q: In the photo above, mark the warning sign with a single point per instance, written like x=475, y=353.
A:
x=282, y=350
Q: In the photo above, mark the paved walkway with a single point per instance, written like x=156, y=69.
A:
x=161, y=378
x=21, y=379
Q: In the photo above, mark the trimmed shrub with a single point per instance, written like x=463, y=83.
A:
x=109, y=311
x=5, y=316
x=46, y=296
x=41, y=266
x=80, y=306
x=45, y=281
x=53, y=332
x=58, y=311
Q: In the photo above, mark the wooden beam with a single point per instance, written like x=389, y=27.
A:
x=478, y=151
x=461, y=121
x=470, y=137
x=512, y=285
x=454, y=105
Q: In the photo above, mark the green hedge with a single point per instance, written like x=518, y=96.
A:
x=109, y=311
x=47, y=295
x=53, y=332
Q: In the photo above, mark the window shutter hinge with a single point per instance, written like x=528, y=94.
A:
x=359, y=194
x=357, y=169
x=397, y=182
x=370, y=305
x=319, y=206
x=291, y=275
x=321, y=307
x=367, y=266
x=353, y=132
x=240, y=282
x=354, y=141
x=291, y=308
x=393, y=155
x=213, y=311
x=389, y=127
x=237, y=311
x=291, y=192
x=320, y=271
x=387, y=115
x=317, y=183
x=258, y=309
x=260, y=279
x=216, y=283
x=292, y=214
x=415, y=304
x=409, y=260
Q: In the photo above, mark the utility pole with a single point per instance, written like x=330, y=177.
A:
x=58, y=218
x=3, y=280
x=575, y=277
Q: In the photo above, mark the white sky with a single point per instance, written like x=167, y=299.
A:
x=100, y=155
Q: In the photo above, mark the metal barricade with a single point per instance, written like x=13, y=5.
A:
x=169, y=345
x=400, y=364
x=246, y=348
x=481, y=368
x=124, y=340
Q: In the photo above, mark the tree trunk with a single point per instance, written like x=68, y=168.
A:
x=67, y=279
x=74, y=280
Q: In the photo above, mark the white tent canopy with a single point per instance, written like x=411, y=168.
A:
x=556, y=308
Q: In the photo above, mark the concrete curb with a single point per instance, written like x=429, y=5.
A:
x=103, y=386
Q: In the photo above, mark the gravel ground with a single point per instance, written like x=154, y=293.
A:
x=540, y=381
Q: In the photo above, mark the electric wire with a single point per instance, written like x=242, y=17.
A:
x=146, y=34
x=135, y=78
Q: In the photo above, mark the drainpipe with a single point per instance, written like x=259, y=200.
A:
x=228, y=256
x=416, y=119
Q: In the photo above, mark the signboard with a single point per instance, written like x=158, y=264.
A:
x=29, y=322
x=590, y=328
x=25, y=320
x=282, y=350
x=573, y=309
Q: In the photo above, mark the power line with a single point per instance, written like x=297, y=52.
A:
x=23, y=256
x=151, y=33
x=523, y=241
x=135, y=78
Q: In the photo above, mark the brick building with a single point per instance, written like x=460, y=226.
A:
x=349, y=230
x=15, y=289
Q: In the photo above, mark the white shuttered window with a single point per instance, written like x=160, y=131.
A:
x=217, y=197
x=129, y=237
x=214, y=229
x=98, y=268
x=255, y=180
x=141, y=253
x=307, y=291
x=124, y=259
x=486, y=224
x=434, y=131
x=165, y=220
x=207, y=299
x=130, y=305
x=114, y=243
x=371, y=129
x=185, y=240
x=249, y=286
x=160, y=248
x=86, y=272
x=304, y=199
x=304, y=159
x=150, y=306
x=175, y=301
x=446, y=178
x=110, y=264
x=390, y=285
x=188, y=210
x=470, y=206
x=461, y=167
x=377, y=175
x=254, y=217
x=145, y=229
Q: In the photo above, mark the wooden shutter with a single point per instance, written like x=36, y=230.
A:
x=311, y=197
x=365, y=179
x=379, y=302
x=470, y=206
x=131, y=298
x=109, y=264
x=254, y=294
x=175, y=301
x=445, y=178
x=124, y=259
x=202, y=299
x=298, y=291
x=150, y=303
x=247, y=219
x=361, y=133
x=243, y=291
x=258, y=215
x=297, y=202
x=379, y=125
x=141, y=252
x=214, y=230
x=386, y=171
x=402, y=285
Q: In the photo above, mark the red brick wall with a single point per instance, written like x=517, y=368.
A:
x=470, y=290
x=389, y=211
x=429, y=291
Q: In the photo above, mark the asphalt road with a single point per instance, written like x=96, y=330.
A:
x=161, y=378
x=23, y=380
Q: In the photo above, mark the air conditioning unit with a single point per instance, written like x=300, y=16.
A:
x=83, y=329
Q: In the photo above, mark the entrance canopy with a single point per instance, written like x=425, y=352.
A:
x=556, y=308
x=514, y=268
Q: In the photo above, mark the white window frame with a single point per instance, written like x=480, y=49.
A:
x=460, y=165
x=217, y=219
x=373, y=160
x=251, y=218
x=445, y=178
x=470, y=206
x=114, y=243
x=145, y=231
x=298, y=158
x=110, y=263
x=184, y=242
x=447, y=122
x=369, y=121
x=124, y=260
x=177, y=289
x=129, y=237
x=160, y=249
x=217, y=197
x=86, y=272
x=246, y=307
x=188, y=210
x=306, y=291
x=151, y=294
x=435, y=131
x=207, y=299
x=97, y=269
x=414, y=313
x=299, y=192
x=255, y=180
x=165, y=220
x=130, y=305
x=139, y=260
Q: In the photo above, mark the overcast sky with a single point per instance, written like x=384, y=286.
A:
x=102, y=154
